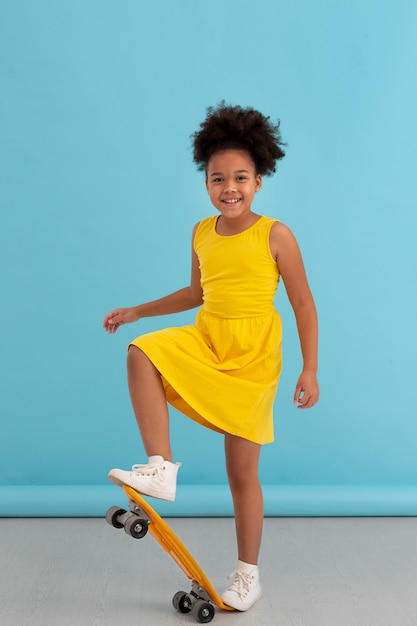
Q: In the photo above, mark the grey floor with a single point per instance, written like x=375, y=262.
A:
x=315, y=572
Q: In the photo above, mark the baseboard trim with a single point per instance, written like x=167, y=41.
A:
x=213, y=501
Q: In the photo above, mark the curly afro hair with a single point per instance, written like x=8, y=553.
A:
x=237, y=128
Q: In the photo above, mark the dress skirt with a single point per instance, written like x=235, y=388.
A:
x=221, y=372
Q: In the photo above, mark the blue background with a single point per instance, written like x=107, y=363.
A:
x=98, y=199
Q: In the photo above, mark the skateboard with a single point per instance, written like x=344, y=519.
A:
x=140, y=519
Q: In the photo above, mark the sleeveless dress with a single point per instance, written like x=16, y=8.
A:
x=223, y=371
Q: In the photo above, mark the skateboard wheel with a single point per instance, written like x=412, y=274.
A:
x=203, y=611
x=136, y=527
x=112, y=515
x=181, y=602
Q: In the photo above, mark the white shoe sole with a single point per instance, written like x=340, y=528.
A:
x=240, y=606
x=125, y=478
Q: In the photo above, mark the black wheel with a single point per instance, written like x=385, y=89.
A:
x=136, y=527
x=112, y=515
x=203, y=611
x=181, y=602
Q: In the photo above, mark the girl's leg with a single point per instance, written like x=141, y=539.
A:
x=157, y=478
x=149, y=403
x=242, y=459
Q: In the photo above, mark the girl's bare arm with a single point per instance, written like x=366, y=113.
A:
x=181, y=300
x=291, y=267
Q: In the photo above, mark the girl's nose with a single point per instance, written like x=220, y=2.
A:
x=229, y=186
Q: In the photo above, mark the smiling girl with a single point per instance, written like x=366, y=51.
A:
x=223, y=371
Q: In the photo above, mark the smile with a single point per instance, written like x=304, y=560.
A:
x=232, y=201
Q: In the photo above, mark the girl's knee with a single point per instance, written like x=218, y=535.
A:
x=139, y=364
x=241, y=475
x=135, y=356
x=242, y=460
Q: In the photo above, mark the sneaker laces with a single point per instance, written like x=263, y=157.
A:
x=149, y=470
x=241, y=584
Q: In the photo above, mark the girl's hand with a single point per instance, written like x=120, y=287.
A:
x=306, y=391
x=118, y=317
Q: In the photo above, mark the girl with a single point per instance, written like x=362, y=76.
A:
x=223, y=371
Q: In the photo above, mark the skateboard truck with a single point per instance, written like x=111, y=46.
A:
x=134, y=523
x=197, y=602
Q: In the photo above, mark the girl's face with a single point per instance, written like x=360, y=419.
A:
x=232, y=182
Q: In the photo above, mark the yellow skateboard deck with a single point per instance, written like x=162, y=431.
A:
x=141, y=518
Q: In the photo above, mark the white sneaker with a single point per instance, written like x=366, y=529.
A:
x=157, y=479
x=245, y=589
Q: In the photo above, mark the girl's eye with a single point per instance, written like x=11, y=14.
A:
x=240, y=178
x=217, y=180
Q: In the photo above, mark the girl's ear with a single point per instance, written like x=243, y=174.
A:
x=258, y=181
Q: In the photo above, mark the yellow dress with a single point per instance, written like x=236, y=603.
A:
x=223, y=371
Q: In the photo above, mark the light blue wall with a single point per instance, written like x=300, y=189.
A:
x=98, y=198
